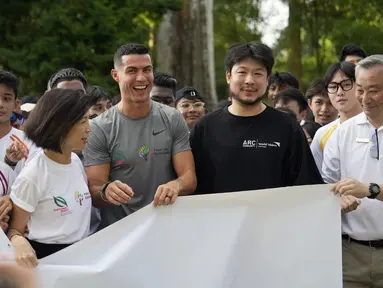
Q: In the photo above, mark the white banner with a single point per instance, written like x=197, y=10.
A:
x=288, y=237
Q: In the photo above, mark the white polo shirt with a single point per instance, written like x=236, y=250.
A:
x=347, y=155
x=319, y=142
x=58, y=198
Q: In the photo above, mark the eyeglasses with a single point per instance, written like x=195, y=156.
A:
x=374, y=145
x=15, y=116
x=195, y=105
x=346, y=85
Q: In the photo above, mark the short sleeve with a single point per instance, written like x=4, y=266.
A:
x=331, y=159
x=7, y=177
x=76, y=160
x=96, y=151
x=180, y=133
x=25, y=194
x=317, y=151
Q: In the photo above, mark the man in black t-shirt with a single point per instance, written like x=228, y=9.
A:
x=248, y=145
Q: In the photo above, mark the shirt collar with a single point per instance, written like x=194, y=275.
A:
x=362, y=119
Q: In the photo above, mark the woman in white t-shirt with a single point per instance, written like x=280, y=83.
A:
x=51, y=199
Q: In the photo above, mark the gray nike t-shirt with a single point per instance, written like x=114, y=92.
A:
x=139, y=152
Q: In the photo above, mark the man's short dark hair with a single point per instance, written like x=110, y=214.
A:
x=10, y=80
x=128, y=49
x=351, y=50
x=316, y=88
x=346, y=68
x=55, y=114
x=66, y=74
x=284, y=78
x=254, y=50
x=97, y=93
x=165, y=81
x=292, y=94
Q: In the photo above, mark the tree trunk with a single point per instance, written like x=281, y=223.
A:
x=189, y=56
x=294, y=62
x=167, y=43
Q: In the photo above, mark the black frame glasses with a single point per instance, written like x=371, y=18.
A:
x=346, y=84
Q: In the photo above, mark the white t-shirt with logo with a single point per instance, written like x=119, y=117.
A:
x=6, y=142
x=58, y=198
x=7, y=177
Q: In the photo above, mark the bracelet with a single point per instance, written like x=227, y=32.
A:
x=102, y=191
x=10, y=238
x=9, y=162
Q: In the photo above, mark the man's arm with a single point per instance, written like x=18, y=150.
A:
x=185, y=184
x=97, y=175
x=183, y=163
x=300, y=167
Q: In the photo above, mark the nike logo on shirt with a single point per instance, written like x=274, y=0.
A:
x=158, y=132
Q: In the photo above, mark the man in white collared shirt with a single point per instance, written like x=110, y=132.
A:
x=352, y=162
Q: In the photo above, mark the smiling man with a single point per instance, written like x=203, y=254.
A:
x=139, y=150
x=247, y=145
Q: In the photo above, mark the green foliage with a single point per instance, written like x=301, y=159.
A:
x=327, y=26
x=234, y=21
x=39, y=37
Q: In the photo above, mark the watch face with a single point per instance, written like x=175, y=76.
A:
x=375, y=188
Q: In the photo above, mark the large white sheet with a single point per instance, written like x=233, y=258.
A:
x=288, y=237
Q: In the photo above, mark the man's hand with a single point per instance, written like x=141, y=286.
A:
x=118, y=193
x=167, y=193
x=17, y=151
x=349, y=203
x=5, y=206
x=351, y=187
x=4, y=223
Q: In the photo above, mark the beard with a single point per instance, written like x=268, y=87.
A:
x=246, y=102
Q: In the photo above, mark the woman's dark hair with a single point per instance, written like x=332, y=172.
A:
x=346, y=68
x=54, y=115
x=351, y=50
x=311, y=128
x=97, y=93
x=254, y=50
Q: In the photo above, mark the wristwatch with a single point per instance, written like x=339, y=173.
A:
x=374, y=190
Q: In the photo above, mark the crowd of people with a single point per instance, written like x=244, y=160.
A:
x=77, y=160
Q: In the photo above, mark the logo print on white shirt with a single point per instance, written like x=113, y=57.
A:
x=258, y=144
x=63, y=206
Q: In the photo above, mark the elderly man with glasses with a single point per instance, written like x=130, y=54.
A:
x=352, y=163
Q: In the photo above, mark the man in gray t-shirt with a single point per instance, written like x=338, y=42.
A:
x=138, y=150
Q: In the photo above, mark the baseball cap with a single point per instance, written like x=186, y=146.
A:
x=188, y=93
